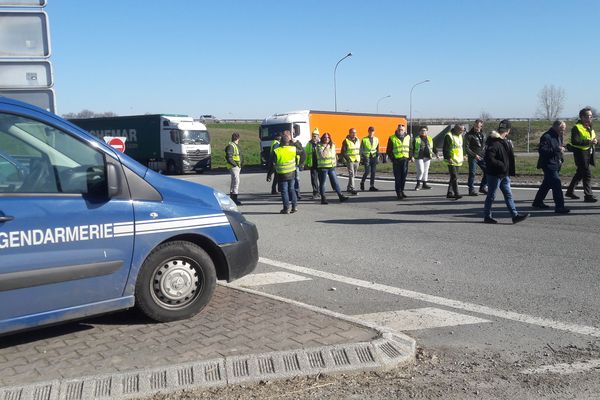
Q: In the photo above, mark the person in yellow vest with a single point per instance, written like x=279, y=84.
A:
x=583, y=142
x=369, y=153
x=284, y=163
x=423, y=151
x=453, y=155
x=233, y=157
x=274, y=144
x=351, y=154
x=311, y=162
x=326, y=166
x=399, y=150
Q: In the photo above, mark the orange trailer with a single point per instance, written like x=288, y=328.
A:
x=302, y=123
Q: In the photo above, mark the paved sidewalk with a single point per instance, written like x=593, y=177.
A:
x=235, y=323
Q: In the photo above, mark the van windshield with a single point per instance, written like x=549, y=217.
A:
x=195, y=137
x=268, y=132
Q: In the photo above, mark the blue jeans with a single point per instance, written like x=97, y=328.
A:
x=473, y=163
x=495, y=182
x=288, y=193
x=551, y=181
x=370, y=168
x=323, y=173
x=400, y=171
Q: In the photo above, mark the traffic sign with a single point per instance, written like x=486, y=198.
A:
x=24, y=34
x=43, y=98
x=118, y=142
x=22, y=3
x=25, y=74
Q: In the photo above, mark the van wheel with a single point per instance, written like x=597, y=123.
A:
x=176, y=281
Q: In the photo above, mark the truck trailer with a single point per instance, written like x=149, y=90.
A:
x=302, y=123
x=170, y=143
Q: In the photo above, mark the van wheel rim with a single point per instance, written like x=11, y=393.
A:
x=176, y=284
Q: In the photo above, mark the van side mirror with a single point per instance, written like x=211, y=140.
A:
x=112, y=180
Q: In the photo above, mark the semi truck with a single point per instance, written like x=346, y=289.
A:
x=87, y=230
x=171, y=143
x=302, y=123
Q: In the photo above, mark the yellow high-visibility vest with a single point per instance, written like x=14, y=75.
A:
x=285, y=161
x=369, y=149
x=584, y=134
x=353, y=150
x=328, y=161
x=456, y=151
x=400, y=147
x=236, y=154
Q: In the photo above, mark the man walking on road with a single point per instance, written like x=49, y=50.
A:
x=474, y=149
x=351, y=154
x=550, y=160
x=499, y=160
x=453, y=154
x=583, y=142
x=400, y=152
x=369, y=152
x=234, y=158
x=312, y=161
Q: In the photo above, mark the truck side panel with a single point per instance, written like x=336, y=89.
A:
x=338, y=124
x=142, y=132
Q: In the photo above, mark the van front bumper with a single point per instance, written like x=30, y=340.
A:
x=241, y=256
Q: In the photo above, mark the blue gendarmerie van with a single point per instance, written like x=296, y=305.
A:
x=86, y=230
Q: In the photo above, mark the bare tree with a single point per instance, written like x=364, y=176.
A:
x=551, y=102
x=484, y=115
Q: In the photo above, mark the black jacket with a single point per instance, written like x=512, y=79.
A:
x=499, y=156
x=550, y=155
x=474, y=143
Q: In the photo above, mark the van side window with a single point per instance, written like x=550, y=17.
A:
x=38, y=158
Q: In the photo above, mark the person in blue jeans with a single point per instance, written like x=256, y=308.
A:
x=550, y=160
x=499, y=159
x=474, y=145
x=283, y=162
x=326, y=163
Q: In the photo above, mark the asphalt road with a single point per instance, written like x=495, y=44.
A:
x=428, y=266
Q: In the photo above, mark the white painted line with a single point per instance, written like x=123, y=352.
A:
x=476, y=308
x=420, y=318
x=269, y=278
x=564, y=369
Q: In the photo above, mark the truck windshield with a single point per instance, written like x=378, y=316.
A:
x=195, y=137
x=268, y=132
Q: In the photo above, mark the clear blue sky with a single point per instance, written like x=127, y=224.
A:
x=249, y=59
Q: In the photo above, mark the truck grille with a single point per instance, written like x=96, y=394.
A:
x=197, y=155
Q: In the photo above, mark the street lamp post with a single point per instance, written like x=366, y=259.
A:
x=384, y=97
x=410, y=107
x=334, y=84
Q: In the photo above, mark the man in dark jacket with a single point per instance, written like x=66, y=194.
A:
x=474, y=148
x=499, y=160
x=550, y=160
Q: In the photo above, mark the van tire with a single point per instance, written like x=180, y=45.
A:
x=176, y=281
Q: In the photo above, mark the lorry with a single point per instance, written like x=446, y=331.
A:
x=86, y=230
x=302, y=123
x=172, y=143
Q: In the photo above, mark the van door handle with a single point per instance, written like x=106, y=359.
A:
x=6, y=218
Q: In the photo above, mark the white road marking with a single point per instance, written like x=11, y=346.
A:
x=269, y=278
x=419, y=318
x=476, y=308
x=564, y=369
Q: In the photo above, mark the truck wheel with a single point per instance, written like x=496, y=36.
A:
x=176, y=281
x=171, y=170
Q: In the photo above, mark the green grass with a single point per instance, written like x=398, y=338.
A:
x=220, y=135
x=525, y=165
